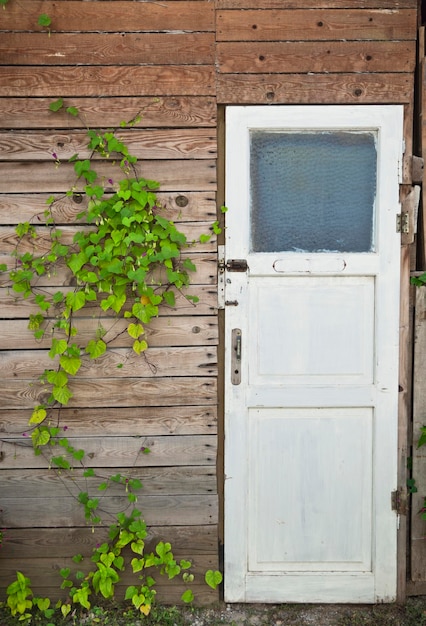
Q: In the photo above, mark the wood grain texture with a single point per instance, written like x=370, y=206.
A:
x=156, y=111
x=404, y=413
x=72, y=81
x=67, y=542
x=174, y=480
x=116, y=452
x=158, y=510
x=144, y=144
x=294, y=57
x=17, y=208
x=14, y=307
x=179, y=175
x=112, y=392
x=118, y=363
x=118, y=16
x=316, y=4
x=9, y=238
x=48, y=568
x=119, y=421
x=164, y=331
x=205, y=274
x=107, y=49
x=418, y=525
x=316, y=25
x=315, y=88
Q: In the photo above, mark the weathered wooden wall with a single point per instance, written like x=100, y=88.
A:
x=176, y=61
x=112, y=60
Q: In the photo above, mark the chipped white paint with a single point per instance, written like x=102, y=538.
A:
x=311, y=430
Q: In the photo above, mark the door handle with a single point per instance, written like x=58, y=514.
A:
x=236, y=355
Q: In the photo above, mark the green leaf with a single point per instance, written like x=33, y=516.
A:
x=61, y=394
x=139, y=346
x=43, y=604
x=58, y=347
x=39, y=415
x=40, y=437
x=65, y=572
x=187, y=596
x=189, y=265
x=56, y=105
x=44, y=20
x=73, y=111
x=77, y=261
x=61, y=462
x=138, y=546
x=71, y=364
x=137, y=565
x=89, y=472
x=96, y=348
x=213, y=578
x=78, y=455
x=422, y=439
x=169, y=298
x=57, y=378
x=135, y=330
x=76, y=300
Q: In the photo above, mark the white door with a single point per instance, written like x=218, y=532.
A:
x=311, y=352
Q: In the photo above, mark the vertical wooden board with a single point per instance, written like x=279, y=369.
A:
x=418, y=526
x=404, y=412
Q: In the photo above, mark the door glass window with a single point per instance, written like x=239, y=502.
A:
x=312, y=191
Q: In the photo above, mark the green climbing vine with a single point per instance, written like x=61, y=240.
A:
x=126, y=261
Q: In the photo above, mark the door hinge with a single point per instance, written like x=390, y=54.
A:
x=403, y=223
x=399, y=501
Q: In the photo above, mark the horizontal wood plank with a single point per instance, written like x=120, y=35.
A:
x=107, y=49
x=18, y=208
x=294, y=57
x=162, y=331
x=157, y=510
x=109, y=393
x=67, y=542
x=316, y=25
x=69, y=81
x=117, y=452
x=42, y=177
x=103, y=16
x=119, y=421
x=42, y=245
x=205, y=274
x=316, y=4
x=315, y=88
x=176, y=480
x=118, y=363
x=147, y=144
x=13, y=306
x=48, y=568
x=110, y=111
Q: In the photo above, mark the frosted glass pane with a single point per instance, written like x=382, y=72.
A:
x=312, y=192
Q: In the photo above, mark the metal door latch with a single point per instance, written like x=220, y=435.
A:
x=233, y=265
x=236, y=357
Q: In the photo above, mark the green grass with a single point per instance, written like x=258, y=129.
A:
x=110, y=614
